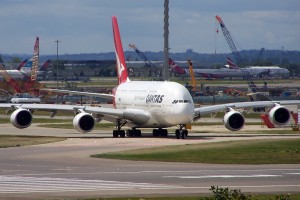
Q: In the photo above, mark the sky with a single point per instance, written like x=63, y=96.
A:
x=84, y=26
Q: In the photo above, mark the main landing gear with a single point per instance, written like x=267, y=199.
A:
x=119, y=132
x=129, y=133
x=133, y=133
x=181, y=133
x=160, y=132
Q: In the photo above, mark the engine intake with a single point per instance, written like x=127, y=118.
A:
x=234, y=120
x=21, y=118
x=279, y=115
x=84, y=122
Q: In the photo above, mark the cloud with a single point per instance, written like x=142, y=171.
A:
x=84, y=26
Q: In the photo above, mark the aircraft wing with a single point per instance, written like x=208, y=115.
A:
x=92, y=94
x=111, y=114
x=215, y=108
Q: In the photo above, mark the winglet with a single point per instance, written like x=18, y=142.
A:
x=121, y=64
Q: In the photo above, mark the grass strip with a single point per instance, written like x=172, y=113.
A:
x=271, y=151
x=17, y=141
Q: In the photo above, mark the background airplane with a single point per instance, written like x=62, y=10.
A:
x=231, y=71
x=269, y=71
x=147, y=104
x=27, y=68
x=15, y=73
x=24, y=70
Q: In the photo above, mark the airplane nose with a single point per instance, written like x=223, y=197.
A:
x=184, y=113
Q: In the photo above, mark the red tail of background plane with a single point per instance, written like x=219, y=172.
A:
x=231, y=64
x=175, y=68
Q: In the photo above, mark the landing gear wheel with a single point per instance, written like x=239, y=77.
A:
x=115, y=133
x=181, y=133
x=155, y=133
x=119, y=132
x=122, y=133
x=133, y=133
x=160, y=133
x=177, y=133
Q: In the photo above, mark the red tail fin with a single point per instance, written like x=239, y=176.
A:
x=45, y=65
x=22, y=64
x=121, y=64
x=231, y=64
x=175, y=68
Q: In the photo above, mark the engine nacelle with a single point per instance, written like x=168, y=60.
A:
x=21, y=118
x=84, y=122
x=234, y=120
x=279, y=115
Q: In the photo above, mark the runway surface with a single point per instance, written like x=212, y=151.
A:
x=65, y=169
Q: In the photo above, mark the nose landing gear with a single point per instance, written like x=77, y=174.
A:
x=181, y=133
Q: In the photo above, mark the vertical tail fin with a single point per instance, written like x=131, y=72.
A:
x=26, y=68
x=175, y=68
x=45, y=65
x=231, y=64
x=121, y=64
x=22, y=64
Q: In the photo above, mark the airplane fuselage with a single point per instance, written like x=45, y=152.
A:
x=243, y=72
x=16, y=74
x=166, y=103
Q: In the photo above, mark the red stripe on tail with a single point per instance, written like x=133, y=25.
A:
x=121, y=64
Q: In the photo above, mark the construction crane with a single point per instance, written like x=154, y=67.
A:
x=35, y=61
x=229, y=40
x=144, y=58
x=11, y=82
x=192, y=75
x=31, y=85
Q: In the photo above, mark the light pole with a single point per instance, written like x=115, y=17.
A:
x=166, y=41
x=57, y=41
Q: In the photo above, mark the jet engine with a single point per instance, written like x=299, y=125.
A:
x=279, y=115
x=234, y=120
x=84, y=122
x=21, y=118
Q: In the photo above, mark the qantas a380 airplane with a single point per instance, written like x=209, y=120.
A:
x=146, y=104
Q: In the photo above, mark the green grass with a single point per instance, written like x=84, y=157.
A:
x=16, y=141
x=284, y=151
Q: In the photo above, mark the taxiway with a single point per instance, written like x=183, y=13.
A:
x=65, y=169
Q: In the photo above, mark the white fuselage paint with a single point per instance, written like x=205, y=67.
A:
x=252, y=71
x=16, y=74
x=166, y=103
